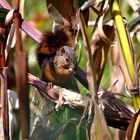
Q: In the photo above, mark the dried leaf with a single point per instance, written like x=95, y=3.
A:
x=14, y=123
x=133, y=130
x=101, y=42
x=65, y=12
x=22, y=89
x=99, y=129
x=31, y=31
x=4, y=102
x=138, y=34
x=115, y=61
x=118, y=65
x=21, y=70
x=20, y=4
x=25, y=26
x=9, y=17
x=62, y=9
x=11, y=40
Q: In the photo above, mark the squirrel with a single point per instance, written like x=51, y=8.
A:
x=56, y=57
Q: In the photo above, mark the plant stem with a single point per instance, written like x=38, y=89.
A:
x=91, y=67
x=126, y=50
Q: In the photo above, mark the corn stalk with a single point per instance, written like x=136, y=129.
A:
x=131, y=78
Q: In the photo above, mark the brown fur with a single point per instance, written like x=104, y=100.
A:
x=51, y=42
x=54, y=59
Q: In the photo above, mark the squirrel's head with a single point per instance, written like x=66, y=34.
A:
x=65, y=59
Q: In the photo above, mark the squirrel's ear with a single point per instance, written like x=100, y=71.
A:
x=61, y=51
